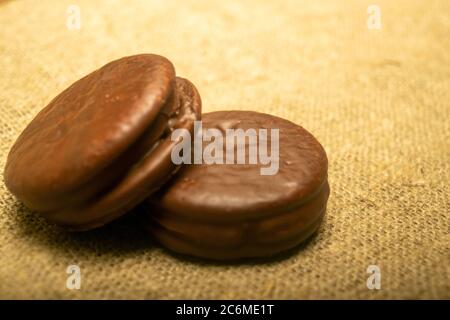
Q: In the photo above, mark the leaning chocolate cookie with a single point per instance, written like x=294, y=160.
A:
x=102, y=145
x=240, y=210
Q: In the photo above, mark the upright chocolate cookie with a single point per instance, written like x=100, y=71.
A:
x=102, y=145
x=232, y=211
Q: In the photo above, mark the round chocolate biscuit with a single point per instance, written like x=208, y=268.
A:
x=103, y=144
x=231, y=211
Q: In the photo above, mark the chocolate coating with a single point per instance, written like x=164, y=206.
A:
x=231, y=211
x=102, y=145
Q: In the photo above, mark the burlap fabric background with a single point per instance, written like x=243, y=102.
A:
x=378, y=100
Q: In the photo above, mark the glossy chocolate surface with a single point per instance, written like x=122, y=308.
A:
x=222, y=211
x=101, y=146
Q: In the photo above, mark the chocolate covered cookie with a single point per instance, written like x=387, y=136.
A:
x=220, y=209
x=103, y=144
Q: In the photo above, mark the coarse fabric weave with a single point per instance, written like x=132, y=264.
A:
x=377, y=99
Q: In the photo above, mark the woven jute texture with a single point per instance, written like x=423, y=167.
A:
x=377, y=99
